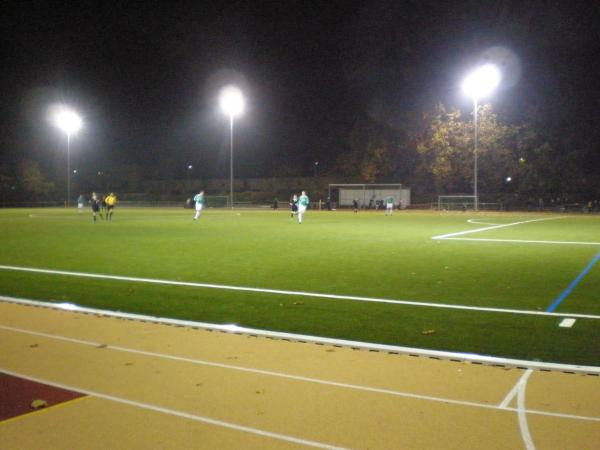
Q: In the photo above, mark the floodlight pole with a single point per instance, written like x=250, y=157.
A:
x=475, y=154
x=231, y=160
x=68, y=168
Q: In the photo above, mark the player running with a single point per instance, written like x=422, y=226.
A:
x=303, y=202
x=199, y=200
x=293, y=205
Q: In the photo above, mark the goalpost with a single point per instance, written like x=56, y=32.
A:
x=457, y=202
x=369, y=195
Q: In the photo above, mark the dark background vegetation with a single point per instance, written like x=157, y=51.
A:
x=369, y=90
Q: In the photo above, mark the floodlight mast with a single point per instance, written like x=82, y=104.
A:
x=232, y=104
x=479, y=83
x=70, y=123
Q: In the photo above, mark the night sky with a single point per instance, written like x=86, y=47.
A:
x=145, y=75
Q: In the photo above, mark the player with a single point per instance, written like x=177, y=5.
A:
x=389, y=205
x=111, y=201
x=293, y=205
x=80, y=203
x=95, y=203
x=303, y=202
x=354, y=206
x=199, y=200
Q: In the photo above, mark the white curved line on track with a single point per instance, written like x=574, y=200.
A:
x=522, y=411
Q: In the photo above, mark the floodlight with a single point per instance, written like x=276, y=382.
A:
x=70, y=123
x=482, y=81
x=67, y=120
x=231, y=101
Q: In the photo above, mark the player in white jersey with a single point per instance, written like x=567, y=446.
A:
x=303, y=202
x=199, y=200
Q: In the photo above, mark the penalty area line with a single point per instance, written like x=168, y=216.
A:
x=295, y=293
x=494, y=227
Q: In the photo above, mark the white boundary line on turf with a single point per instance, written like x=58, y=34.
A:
x=477, y=222
x=494, y=227
x=173, y=412
x=471, y=357
x=297, y=293
x=301, y=378
x=521, y=241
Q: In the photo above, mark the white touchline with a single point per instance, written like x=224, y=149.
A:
x=295, y=293
x=478, y=230
x=174, y=412
x=522, y=411
x=289, y=376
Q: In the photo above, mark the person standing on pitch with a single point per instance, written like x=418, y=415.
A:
x=389, y=205
x=303, y=202
x=354, y=206
x=293, y=205
x=111, y=201
x=95, y=203
x=80, y=202
x=199, y=200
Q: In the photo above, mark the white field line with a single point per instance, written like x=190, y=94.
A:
x=477, y=222
x=292, y=377
x=522, y=411
x=173, y=412
x=296, y=293
x=471, y=357
x=494, y=227
x=521, y=241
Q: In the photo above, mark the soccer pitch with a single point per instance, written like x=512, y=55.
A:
x=460, y=282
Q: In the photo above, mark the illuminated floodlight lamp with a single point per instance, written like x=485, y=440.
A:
x=481, y=82
x=231, y=101
x=67, y=120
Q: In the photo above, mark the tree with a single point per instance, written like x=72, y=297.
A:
x=32, y=181
x=372, y=152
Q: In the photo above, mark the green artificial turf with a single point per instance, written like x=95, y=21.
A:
x=365, y=254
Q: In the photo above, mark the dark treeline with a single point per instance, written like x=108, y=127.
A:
x=432, y=153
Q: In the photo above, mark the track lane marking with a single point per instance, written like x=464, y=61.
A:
x=292, y=377
x=177, y=413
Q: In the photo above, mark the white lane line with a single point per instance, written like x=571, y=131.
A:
x=522, y=411
x=174, y=412
x=522, y=241
x=232, y=328
x=289, y=376
x=494, y=227
x=292, y=293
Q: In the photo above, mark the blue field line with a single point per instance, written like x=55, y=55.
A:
x=574, y=283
